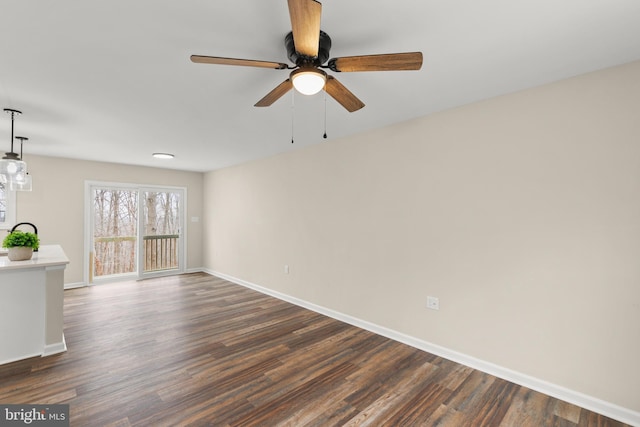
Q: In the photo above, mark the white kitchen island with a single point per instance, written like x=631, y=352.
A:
x=32, y=304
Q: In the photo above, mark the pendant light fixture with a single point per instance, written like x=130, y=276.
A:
x=12, y=168
x=22, y=181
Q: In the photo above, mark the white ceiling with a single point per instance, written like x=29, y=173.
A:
x=112, y=80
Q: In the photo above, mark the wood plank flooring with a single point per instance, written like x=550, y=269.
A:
x=197, y=350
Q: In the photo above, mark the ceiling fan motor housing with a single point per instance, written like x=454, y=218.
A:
x=304, y=60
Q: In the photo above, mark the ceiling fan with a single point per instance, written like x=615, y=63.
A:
x=308, y=48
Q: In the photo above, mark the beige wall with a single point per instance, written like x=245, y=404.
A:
x=56, y=204
x=521, y=213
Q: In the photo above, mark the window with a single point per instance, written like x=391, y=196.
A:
x=7, y=207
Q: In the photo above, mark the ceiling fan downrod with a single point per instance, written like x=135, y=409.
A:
x=301, y=60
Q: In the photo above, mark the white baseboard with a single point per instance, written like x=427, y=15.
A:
x=48, y=350
x=15, y=359
x=51, y=349
x=607, y=409
x=74, y=285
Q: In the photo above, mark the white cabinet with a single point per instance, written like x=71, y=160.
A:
x=32, y=305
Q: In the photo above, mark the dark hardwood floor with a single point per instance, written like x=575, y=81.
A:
x=198, y=350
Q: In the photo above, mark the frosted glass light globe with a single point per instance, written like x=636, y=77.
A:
x=308, y=81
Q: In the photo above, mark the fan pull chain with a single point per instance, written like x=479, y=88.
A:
x=325, y=116
x=293, y=104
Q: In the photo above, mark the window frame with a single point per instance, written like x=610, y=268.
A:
x=10, y=213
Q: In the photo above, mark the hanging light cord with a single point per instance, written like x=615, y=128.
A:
x=12, y=120
x=22, y=140
x=13, y=113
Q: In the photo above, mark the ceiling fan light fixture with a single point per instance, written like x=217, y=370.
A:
x=308, y=80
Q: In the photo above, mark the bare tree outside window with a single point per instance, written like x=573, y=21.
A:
x=7, y=207
x=3, y=204
x=162, y=230
x=115, y=231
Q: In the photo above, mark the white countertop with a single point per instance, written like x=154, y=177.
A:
x=47, y=255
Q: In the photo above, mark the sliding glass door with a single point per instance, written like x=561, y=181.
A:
x=134, y=232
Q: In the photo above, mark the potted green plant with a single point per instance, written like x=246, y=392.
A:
x=21, y=245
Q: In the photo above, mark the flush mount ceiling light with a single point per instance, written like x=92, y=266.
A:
x=12, y=167
x=308, y=80
x=163, y=155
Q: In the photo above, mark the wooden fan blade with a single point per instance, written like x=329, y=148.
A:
x=275, y=94
x=305, y=24
x=198, y=59
x=341, y=94
x=385, y=62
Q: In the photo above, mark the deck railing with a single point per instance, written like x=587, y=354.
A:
x=160, y=252
x=117, y=255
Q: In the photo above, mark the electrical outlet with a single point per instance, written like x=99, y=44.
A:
x=433, y=303
x=286, y=269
